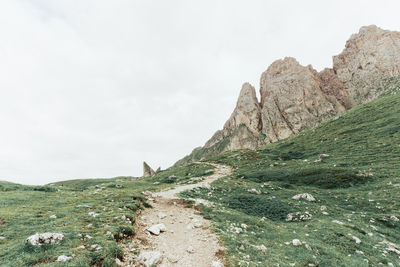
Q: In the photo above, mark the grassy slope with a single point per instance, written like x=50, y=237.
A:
x=359, y=183
x=25, y=210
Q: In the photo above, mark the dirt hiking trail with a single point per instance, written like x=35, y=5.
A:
x=180, y=236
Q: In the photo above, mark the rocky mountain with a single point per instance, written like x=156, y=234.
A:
x=296, y=97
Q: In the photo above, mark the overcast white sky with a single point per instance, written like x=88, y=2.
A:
x=93, y=88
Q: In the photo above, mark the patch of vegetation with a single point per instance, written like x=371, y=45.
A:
x=356, y=186
x=97, y=214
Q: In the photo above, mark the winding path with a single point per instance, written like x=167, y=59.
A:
x=188, y=240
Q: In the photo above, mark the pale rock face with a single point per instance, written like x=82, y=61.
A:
x=292, y=100
x=370, y=57
x=244, y=125
x=247, y=111
x=147, y=170
x=296, y=97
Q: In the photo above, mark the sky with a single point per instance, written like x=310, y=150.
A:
x=91, y=89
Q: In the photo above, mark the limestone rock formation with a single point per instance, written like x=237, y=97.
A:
x=296, y=97
x=292, y=100
x=369, y=59
x=147, y=170
x=244, y=125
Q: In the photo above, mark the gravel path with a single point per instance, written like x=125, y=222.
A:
x=187, y=241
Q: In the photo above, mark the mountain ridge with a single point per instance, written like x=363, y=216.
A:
x=295, y=97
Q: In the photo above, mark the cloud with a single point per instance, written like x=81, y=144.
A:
x=93, y=88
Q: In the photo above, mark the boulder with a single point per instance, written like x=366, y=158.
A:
x=298, y=217
x=305, y=196
x=45, y=238
x=157, y=229
x=150, y=258
x=63, y=258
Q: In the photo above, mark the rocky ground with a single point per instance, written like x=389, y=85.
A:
x=173, y=234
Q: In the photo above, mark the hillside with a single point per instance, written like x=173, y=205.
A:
x=295, y=97
x=95, y=215
x=350, y=165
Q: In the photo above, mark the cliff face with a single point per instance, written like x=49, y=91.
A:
x=368, y=60
x=296, y=97
x=292, y=100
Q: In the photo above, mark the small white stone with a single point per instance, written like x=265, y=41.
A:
x=93, y=214
x=157, y=229
x=358, y=241
x=338, y=222
x=173, y=258
x=53, y=217
x=63, y=258
x=216, y=264
x=394, y=218
x=161, y=215
x=150, y=258
x=296, y=242
x=118, y=262
x=190, y=249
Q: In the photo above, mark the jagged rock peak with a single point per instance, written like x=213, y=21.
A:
x=247, y=111
x=147, y=170
x=292, y=99
x=296, y=97
x=244, y=125
x=369, y=58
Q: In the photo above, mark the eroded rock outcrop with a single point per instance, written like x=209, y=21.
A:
x=147, y=170
x=292, y=100
x=369, y=59
x=243, y=128
x=296, y=97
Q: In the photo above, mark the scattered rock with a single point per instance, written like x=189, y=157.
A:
x=323, y=208
x=45, y=238
x=262, y=248
x=338, y=222
x=216, y=264
x=53, y=217
x=254, y=191
x=394, y=218
x=356, y=239
x=173, y=258
x=298, y=217
x=296, y=242
x=157, y=229
x=150, y=258
x=93, y=214
x=190, y=249
x=162, y=215
x=2, y=238
x=118, y=262
x=305, y=196
x=63, y=258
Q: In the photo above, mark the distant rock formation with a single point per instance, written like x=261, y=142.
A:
x=292, y=100
x=296, y=97
x=147, y=170
x=369, y=59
